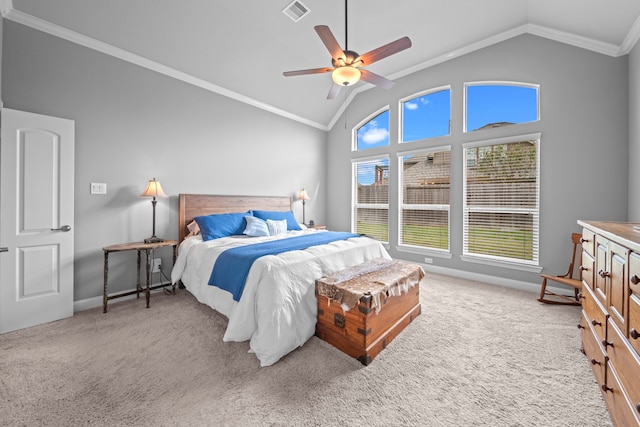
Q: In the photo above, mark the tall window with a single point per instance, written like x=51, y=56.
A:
x=498, y=104
x=426, y=116
x=374, y=133
x=424, y=198
x=501, y=199
x=371, y=198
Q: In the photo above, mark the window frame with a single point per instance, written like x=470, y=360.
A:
x=524, y=265
x=354, y=192
x=497, y=83
x=365, y=121
x=405, y=247
x=418, y=95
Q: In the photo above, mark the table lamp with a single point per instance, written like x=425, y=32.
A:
x=154, y=189
x=304, y=197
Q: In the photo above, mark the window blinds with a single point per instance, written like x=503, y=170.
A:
x=501, y=200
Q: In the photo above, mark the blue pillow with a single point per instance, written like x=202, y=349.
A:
x=221, y=225
x=292, y=224
x=255, y=227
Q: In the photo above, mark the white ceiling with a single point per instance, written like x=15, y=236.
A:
x=240, y=48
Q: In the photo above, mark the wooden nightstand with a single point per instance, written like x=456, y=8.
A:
x=148, y=249
x=317, y=227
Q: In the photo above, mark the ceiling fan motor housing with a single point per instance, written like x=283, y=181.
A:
x=348, y=59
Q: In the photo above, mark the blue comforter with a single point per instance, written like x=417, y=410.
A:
x=232, y=266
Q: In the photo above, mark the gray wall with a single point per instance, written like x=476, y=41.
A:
x=584, y=144
x=133, y=124
x=634, y=134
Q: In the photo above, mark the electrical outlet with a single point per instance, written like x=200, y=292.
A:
x=428, y=260
x=156, y=265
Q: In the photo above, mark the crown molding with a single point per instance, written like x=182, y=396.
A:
x=39, y=24
x=8, y=12
x=632, y=38
x=574, y=40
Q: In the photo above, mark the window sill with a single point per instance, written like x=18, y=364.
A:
x=503, y=264
x=424, y=251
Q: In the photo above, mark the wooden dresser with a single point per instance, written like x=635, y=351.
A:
x=610, y=322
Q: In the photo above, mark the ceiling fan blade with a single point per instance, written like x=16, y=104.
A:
x=386, y=50
x=375, y=79
x=309, y=71
x=329, y=41
x=333, y=92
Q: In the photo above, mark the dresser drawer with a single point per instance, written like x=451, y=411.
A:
x=592, y=349
x=588, y=241
x=587, y=268
x=623, y=412
x=634, y=273
x=625, y=361
x=595, y=313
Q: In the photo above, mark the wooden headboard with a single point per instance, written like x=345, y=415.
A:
x=193, y=205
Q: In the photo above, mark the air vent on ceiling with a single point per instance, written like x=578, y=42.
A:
x=296, y=10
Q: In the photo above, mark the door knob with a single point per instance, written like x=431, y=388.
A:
x=64, y=228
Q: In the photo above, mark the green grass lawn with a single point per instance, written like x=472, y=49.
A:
x=494, y=242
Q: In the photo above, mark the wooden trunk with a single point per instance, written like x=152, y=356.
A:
x=365, y=330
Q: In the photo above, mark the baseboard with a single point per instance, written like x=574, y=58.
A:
x=94, y=302
x=88, y=303
x=500, y=281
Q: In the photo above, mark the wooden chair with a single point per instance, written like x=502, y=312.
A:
x=566, y=279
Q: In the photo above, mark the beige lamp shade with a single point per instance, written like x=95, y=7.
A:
x=303, y=195
x=154, y=189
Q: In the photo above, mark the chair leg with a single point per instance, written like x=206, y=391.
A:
x=543, y=289
x=557, y=298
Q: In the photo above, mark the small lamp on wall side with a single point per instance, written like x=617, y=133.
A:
x=304, y=197
x=154, y=189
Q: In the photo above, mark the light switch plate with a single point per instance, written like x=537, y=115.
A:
x=98, y=188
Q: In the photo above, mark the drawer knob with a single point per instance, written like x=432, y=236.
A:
x=638, y=407
x=580, y=326
x=604, y=274
x=595, y=362
x=594, y=322
x=606, y=388
x=634, y=334
x=606, y=343
x=635, y=279
x=583, y=240
x=584, y=268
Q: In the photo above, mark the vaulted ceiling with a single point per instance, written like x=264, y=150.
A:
x=241, y=48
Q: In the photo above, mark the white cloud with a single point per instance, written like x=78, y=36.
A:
x=375, y=135
x=411, y=105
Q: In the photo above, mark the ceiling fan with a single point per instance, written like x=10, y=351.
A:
x=346, y=70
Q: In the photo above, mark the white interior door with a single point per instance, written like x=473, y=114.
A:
x=36, y=219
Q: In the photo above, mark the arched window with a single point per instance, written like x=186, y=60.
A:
x=373, y=133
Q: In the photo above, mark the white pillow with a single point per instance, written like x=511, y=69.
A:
x=255, y=227
x=277, y=227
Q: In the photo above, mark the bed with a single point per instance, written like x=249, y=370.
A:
x=277, y=309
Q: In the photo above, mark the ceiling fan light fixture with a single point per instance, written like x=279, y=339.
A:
x=346, y=76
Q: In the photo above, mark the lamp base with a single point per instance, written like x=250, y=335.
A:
x=153, y=239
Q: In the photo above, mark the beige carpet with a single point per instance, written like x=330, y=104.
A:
x=479, y=355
